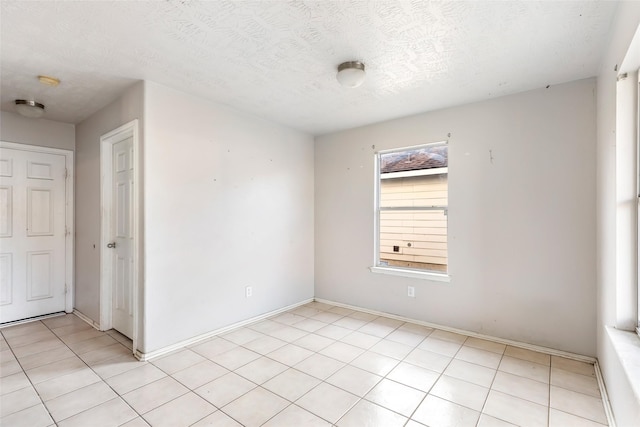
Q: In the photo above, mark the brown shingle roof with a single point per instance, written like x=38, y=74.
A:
x=422, y=158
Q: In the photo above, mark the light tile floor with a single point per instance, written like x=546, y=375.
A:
x=317, y=365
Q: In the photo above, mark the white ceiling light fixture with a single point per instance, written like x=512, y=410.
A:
x=351, y=74
x=31, y=109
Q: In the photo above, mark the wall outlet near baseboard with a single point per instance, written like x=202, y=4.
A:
x=248, y=291
x=411, y=291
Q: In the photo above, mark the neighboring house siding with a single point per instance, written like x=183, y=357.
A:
x=421, y=236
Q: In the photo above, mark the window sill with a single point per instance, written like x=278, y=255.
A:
x=627, y=347
x=425, y=275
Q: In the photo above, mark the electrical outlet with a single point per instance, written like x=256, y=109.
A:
x=411, y=291
x=248, y=291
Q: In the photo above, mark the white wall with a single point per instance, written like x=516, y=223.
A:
x=46, y=133
x=228, y=204
x=521, y=227
x=87, y=262
x=626, y=405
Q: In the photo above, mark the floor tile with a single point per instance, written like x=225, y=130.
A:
x=265, y=326
x=342, y=351
x=573, y=366
x=113, y=412
x=256, y=407
x=288, y=318
x=525, y=369
x=461, y=392
x=73, y=328
x=314, y=342
x=434, y=411
x=354, y=380
x=34, y=416
x=242, y=336
x=18, y=400
x=360, y=315
x=291, y=384
x=377, y=329
x=94, y=357
x=213, y=347
x=414, y=328
x=515, y=410
x=521, y=387
x=306, y=311
x=327, y=317
x=479, y=357
x=341, y=310
x=217, y=419
x=200, y=374
x=136, y=422
x=290, y=354
x=489, y=421
x=350, y=323
x=429, y=360
x=440, y=346
x=405, y=337
x=485, y=345
x=392, y=349
x=365, y=413
x=327, y=402
x=295, y=416
x=178, y=361
x=562, y=419
x=448, y=336
x=334, y=332
x=414, y=376
x=261, y=370
x=529, y=355
x=13, y=382
x=265, y=344
x=58, y=386
x=135, y=378
x=64, y=320
x=470, y=372
x=579, y=404
x=24, y=329
x=310, y=325
x=151, y=396
x=395, y=396
x=31, y=338
x=288, y=334
x=9, y=368
x=78, y=401
x=38, y=347
x=375, y=363
x=44, y=358
x=361, y=340
x=82, y=347
x=235, y=358
x=319, y=366
x=117, y=365
x=80, y=335
x=56, y=369
x=225, y=389
x=585, y=384
x=182, y=411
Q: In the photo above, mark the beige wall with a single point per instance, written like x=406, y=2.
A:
x=42, y=132
x=521, y=218
x=228, y=204
x=87, y=262
x=421, y=236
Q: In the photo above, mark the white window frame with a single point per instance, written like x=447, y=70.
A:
x=395, y=270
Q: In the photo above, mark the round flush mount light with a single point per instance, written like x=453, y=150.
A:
x=351, y=74
x=31, y=109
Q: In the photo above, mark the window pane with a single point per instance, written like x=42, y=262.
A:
x=409, y=236
x=414, y=239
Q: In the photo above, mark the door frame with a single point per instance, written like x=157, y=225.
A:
x=106, y=257
x=69, y=207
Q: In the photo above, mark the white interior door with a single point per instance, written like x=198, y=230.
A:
x=122, y=232
x=32, y=234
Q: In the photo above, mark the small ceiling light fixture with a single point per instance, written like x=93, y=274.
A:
x=351, y=74
x=31, y=109
x=49, y=81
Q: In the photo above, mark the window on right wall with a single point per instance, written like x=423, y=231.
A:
x=412, y=208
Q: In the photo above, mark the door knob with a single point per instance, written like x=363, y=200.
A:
x=111, y=245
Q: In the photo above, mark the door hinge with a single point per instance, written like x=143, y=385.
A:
x=66, y=173
x=66, y=289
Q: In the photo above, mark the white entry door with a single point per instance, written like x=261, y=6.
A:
x=32, y=234
x=122, y=231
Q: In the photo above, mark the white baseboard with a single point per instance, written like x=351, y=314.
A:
x=144, y=357
x=86, y=319
x=608, y=410
x=533, y=347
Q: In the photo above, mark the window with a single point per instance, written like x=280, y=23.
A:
x=411, y=210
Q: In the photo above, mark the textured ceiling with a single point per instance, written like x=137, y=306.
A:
x=277, y=59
